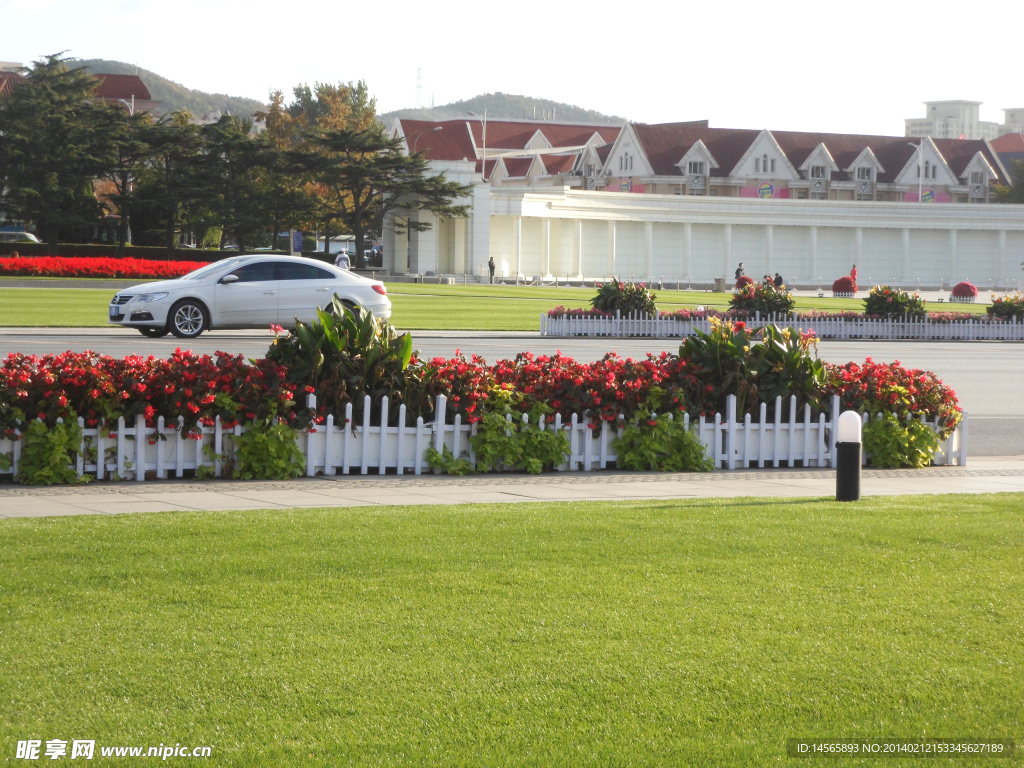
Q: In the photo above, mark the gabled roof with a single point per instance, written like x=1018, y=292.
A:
x=490, y=167
x=517, y=167
x=511, y=134
x=665, y=144
x=558, y=163
x=1008, y=142
x=7, y=81
x=603, y=152
x=122, y=87
x=452, y=142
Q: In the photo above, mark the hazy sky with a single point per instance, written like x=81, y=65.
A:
x=816, y=66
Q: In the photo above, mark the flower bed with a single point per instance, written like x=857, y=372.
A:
x=1007, y=307
x=59, y=266
x=844, y=288
x=964, y=293
x=349, y=370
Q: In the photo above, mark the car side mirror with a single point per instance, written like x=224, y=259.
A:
x=228, y=279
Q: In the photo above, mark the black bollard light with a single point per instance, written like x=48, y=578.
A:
x=848, y=458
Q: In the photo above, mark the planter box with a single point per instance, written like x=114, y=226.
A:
x=962, y=299
x=826, y=328
x=162, y=452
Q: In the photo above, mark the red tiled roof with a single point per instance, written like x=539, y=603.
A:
x=666, y=144
x=490, y=167
x=122, y=87
x=508, y=134
x=452, y=142
x=517, y=167
x=1008, y=142
x=603, y=152
x=558, y=163
x=7, y=81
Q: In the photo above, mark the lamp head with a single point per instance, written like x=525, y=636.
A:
x=849, y=427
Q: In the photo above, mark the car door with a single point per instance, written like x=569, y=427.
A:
x=251, y=300
x=302, y=289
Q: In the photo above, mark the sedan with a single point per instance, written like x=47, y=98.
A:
x=244, y=292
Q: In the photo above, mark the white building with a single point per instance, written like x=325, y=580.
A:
x=683, y=200
x=951, y=120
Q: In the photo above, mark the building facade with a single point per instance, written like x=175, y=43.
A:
x=687, y=201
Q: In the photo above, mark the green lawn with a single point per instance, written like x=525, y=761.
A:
x=636, y=633
x=416, y=306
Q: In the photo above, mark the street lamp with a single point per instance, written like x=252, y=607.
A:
x=920, y=159
x=131, y=107
x=416, y=140
x=483, y=152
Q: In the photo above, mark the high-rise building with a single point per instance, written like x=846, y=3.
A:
x=952, y=120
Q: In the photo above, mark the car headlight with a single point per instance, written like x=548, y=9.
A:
x=147, y=297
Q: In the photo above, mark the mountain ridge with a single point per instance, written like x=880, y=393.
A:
x=508, y=106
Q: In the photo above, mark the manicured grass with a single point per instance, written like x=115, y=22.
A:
x=697, y=633
x=416, y=306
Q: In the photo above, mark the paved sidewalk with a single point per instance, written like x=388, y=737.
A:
x=983, y=475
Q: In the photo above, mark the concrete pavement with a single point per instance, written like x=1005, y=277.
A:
x=986, y=475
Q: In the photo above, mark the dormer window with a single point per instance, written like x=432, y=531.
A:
x=978, y=177
x=818, y=172
x=864, y=174
x=695, y=167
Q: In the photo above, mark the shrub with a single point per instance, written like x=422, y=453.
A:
x=47, y=453
x=891, y=443
x=58, y=266
x=743, y=281
x=844, y=284
x=625, y=298
x=890, y=388
x=661, y=443
x=763, y=298
x=561, y=311
x=892, y=303
x=267, y=451
x=965, y=290
x=1007, y=307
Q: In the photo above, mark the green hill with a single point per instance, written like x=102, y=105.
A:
x=173, y=95
x=505, y=105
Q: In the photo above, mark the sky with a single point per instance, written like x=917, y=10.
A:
x=787, y=65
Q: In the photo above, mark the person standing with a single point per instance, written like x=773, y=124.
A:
x=779, y=283
x=342, y=260
x=739, y=272
x=490, y=268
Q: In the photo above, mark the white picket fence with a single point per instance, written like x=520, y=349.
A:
x=826, y=328
x=135, y=452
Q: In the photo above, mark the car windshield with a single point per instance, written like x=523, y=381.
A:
x=214, y=267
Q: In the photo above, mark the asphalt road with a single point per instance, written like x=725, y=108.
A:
x=988, y=376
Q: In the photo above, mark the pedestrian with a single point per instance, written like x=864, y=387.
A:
x=779, y=284
x=490, y=268
x=739, y=272
x=853, y=274
x=342, y=260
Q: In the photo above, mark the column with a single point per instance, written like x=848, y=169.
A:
x=858, y=248
x=769, y=247
x=1003, y=271
x=518, y=227
x=687, y=249
x=545, y=234
x=813, y=266
x=578, y=245
x=954, y=268
x=727, y=250
x=905, y=266
x=610, y=266
x=648, y=248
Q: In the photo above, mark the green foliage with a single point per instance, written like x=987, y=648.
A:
x=346, y=356
x=368, y=175
x=891, y=443
x=47, y=453
x=1007, y=307
x=892, y=304
x=506, y=105
x=5, y=461
x=447, y=463
x=763, y=298
x=661, y=443
x=756, y=366
x=1012, y=194
x=51, y=149
x=625, y=298
x=502, y=440
x=267, y=451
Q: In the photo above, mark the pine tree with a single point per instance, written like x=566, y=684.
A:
x=51, y=149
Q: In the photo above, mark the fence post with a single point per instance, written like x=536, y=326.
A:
x=120, y=447
x=382, y=462
x=346, y=442
x=963, y=441
x=400, y=464
x=730, y=435
x=365, y=440
x=439, y=417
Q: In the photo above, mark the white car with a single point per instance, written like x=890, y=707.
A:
x=244, y=292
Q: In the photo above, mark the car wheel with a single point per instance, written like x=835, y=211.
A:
x=188, y=319
x=154, y=333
